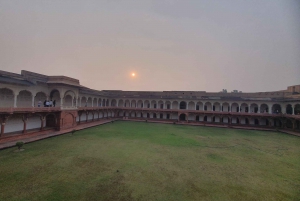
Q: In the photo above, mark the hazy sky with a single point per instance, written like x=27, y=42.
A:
x=171, y=45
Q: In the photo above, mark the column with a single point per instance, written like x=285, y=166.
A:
x=32, y=101
x=61, y=102
x=230, y=107
x=221, y=105
x=293, y=109
x=25, y=119
x=42, y=122
x=15, y=100
x=2, y=128
x=270, y=109
x=92, y=102
x=76, y=102
x=258, y=109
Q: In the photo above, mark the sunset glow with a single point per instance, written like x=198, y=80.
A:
x=133, y=74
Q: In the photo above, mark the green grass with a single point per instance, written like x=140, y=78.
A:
x=146, y=161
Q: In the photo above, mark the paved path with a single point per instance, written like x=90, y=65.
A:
x=31, y=137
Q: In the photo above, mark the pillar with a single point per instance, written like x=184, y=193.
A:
x=42, y=122
x=15, y=100
x=258, y=109
x=61, y=102
x=270, y=109
x=86, y=116
x=293, y=109
x=2, y=128
x=32, y=101
x=24, y=119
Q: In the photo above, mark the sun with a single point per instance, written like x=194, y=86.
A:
x=132, y=74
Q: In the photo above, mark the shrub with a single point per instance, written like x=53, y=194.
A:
x=19, y=144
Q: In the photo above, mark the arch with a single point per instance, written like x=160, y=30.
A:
x=277, y=122
x=207, y=106
x=107, y=103
x=199, y=106
x=83, y=102
x=70, y=92
x=99, y=102
x=133, y=103
x=160, y=104
x=140, y=104
x=153, y=104
x=147, y=104
x=256, y=122
x=161, y=115
x=95, y=102
x=182, y=105
x=297, y=109
x=217, y=107
x=244, y=107
x=24, y=99
x=253, y=108
x=276, y=108
x=39, y=97
x=182, y=117
x=225, y=107
x=103, y=102
x=68, y=120
x=6, y=97
x=55, y=96
x=113, y=103
x=289, y=109
x=127, y=103
x=191, y=105
x=235, y=107
x=264, y=108
x=50, y=120
x=121, y=103
x=154, y=116
x=197, y=118
x=289, y=124
x=175, y=105
x=168, y=105
x=89, y=102
x=205, y=118
x=68, y=100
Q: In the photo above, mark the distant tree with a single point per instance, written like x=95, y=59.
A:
x=73, y=131
x=19, y=145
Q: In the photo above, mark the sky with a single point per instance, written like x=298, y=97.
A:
x=188, y=45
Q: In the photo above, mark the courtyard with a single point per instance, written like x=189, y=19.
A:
x=150, y=161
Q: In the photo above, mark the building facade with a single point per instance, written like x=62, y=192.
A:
x=22, y=98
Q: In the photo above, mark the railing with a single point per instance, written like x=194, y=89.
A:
x=29, y=109
x=52, y=109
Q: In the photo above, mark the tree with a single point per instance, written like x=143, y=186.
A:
x=19, y=145
x=73, y=131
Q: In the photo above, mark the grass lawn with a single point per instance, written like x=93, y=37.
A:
x=147, y=161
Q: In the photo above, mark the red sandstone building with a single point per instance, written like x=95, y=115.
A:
x=76, y=104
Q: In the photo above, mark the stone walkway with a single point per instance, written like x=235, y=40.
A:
x=35, y=136
x=31, y=137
